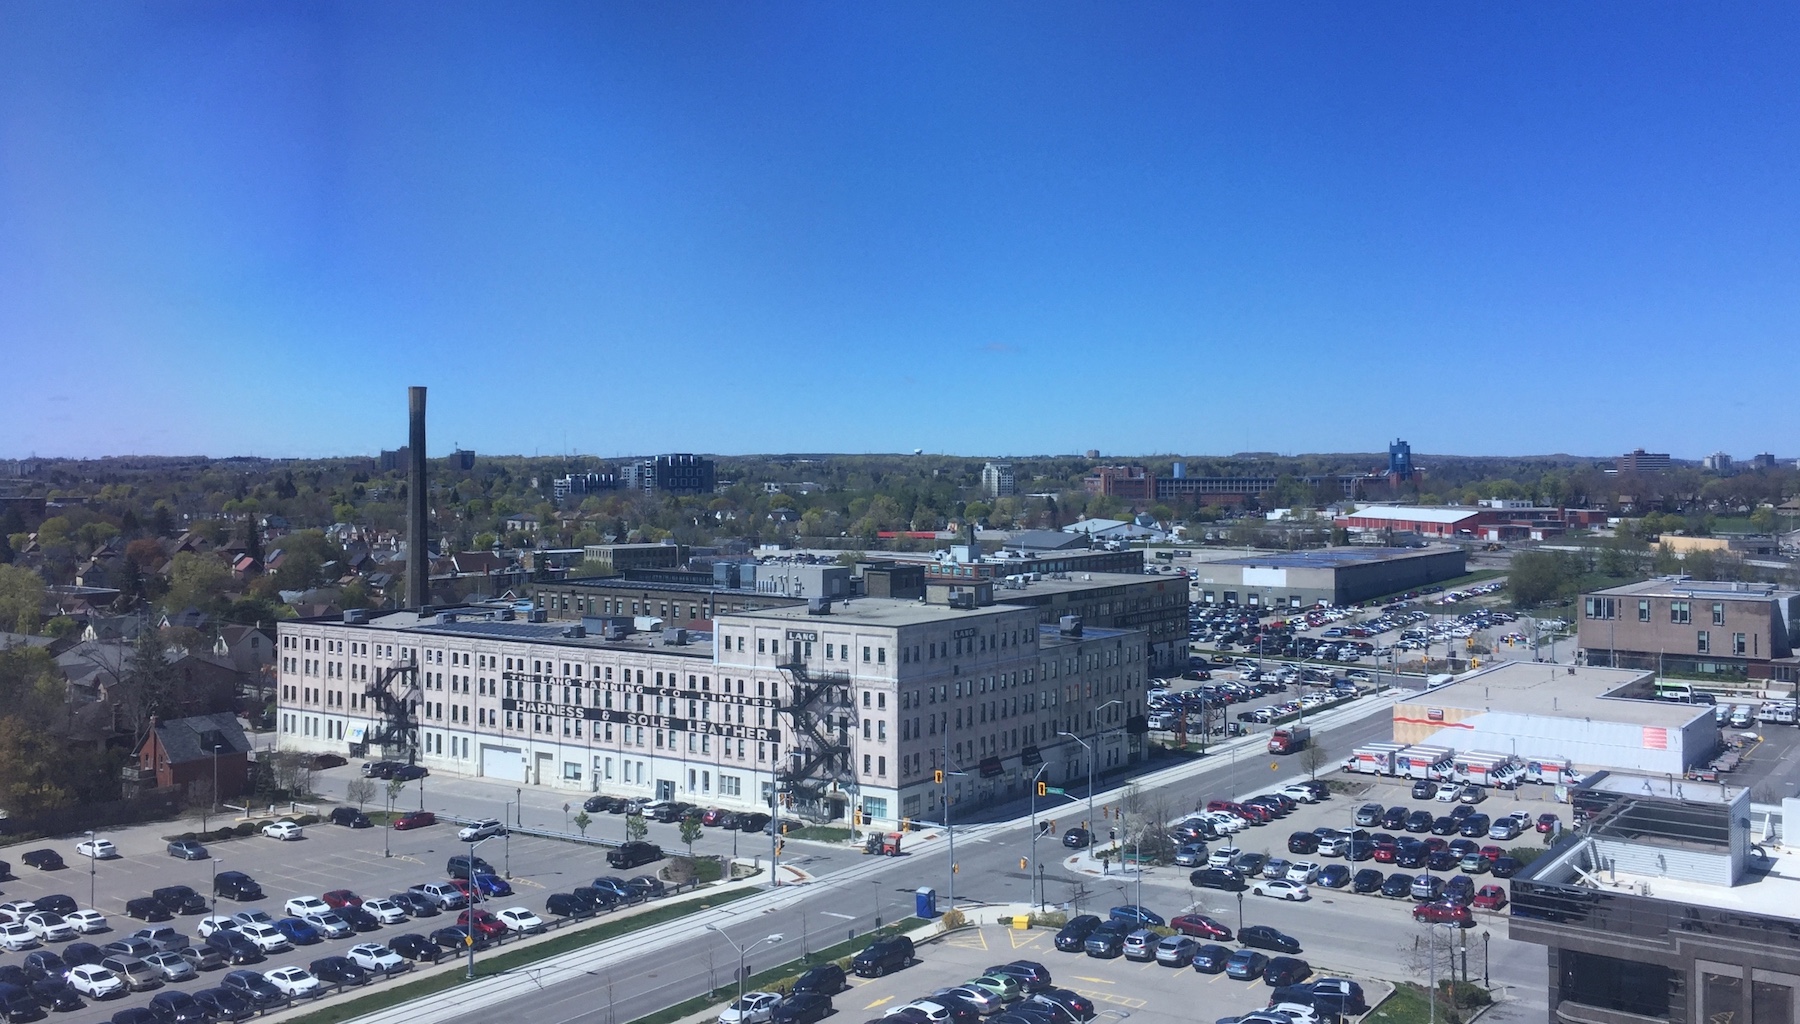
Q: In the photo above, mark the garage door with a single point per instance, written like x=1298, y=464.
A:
x=503, y=763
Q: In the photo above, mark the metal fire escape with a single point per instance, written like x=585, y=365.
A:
x=396, y=696
x=818, y=760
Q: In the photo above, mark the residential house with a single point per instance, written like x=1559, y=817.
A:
x=199, y=753
x=249, y=649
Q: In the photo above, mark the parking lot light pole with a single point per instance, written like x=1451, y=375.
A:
x=742, y=952
x=215, y=885
x=1036, y=829
x=92, y=861
x=474, y=899
x=1089, y=824
x=1240, y=896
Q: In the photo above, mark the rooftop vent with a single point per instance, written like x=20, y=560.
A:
x=1069, y=625
x=964, y=599
x=676, y=637
x=818, y=606
x=540, y=615
x=356, y=617
x=574, y=632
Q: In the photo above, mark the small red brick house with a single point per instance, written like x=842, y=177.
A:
x=180, y=753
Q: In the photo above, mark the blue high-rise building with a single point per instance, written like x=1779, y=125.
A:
x=1400, y=465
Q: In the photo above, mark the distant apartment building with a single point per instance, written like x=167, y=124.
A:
x=394, y=461
x=1134, y=483
x=669, y=474
x=997, y=479
x=1689, y=627
x=582, y=484
x=616, y=558
x=1640, y=461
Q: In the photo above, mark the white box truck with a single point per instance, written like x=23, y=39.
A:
x=1551, y=771
x=1424, y=761
x=1373, y=758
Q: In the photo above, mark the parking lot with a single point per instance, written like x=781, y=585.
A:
x=328, y=857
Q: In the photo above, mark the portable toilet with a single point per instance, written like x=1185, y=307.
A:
x=925, y=903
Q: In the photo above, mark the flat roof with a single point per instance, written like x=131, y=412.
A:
x=1639, y=784
x=1668, y=586
x=1415, y=513
x=875, y=611
x=699, y=645
x=1333, y=558
x=1073, y=582
x=1561, y=691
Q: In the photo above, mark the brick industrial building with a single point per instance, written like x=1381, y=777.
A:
x=1693, y=628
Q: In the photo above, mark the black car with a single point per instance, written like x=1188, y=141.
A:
x=647, y=887
x=237, y=886
x=1460, y=889
x=17, y=1004
x=1262, y=936
x=177, y=1007
x=43, y=860
x=1250, y=864
x=42, y=963
x=1108, y=940
x=1411, y=855
x=1462, y=812
x=1211, y=959
x=134, y=1015
x=359, y=919
x=801, y=1008
x=1367, y=880
x=596, y=804
x=1032, y=976
x=1443, y=860
x=602, y=899
x=1424, y=789
x=147, y=908
x=350, y=817
x=409, y=772
x=753, y=821
x=237, y=948
x=961, y=1010
x=456, y=937
x=415, y=904
x=567, y=904
x=1216, y=878
x=1505, y=867
x=825, y=979
x=632, y=854
x=254, y=987
x=338, y=970
x=1285, y=970
x=414, y=946
x=1419, y=821
x=882, y=956
x=1397, y=886
x=1074, y=934
x=76, y=954
x=224, y=1004
x=1077, y=838
x=1394, y=817
x=1303, y=843
x=380, y=769
x=463, y=864
x=56, y=903
x=57, y=994
x=179, y=899
x=1075, y=1004
x=1445, y=826
x=1476, y=826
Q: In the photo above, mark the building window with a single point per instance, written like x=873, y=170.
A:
x=571, y=770
x=1679, y=612
x=1703, y=641
x=1737, y=644
x=867, y=760
x=1601, y=607
x=1643, y=611
x=1718, y=613
x=865, y=655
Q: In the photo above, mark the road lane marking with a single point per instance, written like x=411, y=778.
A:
x=879, y=1002
x=833, y=913
x=1097, y=981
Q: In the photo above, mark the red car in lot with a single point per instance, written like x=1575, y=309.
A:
x=485, y=923
x=1444, y=913
x=1492, y=853
x=1202, y=926
x=1491, y=897
x=1546, y=823
x=341, y=898
x=415, y=819
x=1386, y=854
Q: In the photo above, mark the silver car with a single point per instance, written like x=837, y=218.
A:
x=171, y=965
x=1177, y=950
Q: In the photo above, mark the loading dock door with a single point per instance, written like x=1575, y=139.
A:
x=503, y=763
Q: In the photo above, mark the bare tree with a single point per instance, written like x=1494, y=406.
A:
x=359, y=792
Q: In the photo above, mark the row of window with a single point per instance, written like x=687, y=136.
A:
x=1680, y=612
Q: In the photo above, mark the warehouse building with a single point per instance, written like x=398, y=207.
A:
x=1340, y=576
x=1539, y=710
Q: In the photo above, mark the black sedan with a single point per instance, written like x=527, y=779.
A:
x=1397, y=886
x=1211, y=959
x=56, y=903
x=1077, y=838
x=43, y=860
x=1505, y=867
x=1443, y=860
x=1073, y=936
x=1367, y=880
x=224, y=1004
x=254, y=987
x=1419, y=821
x=147, y=908
x=801, y=1008
x=414, y=946
x=1285, y=970
x=56, y=993
x=1262, y=936
x=339, y=970
x=1303, y=843
x=1445, y=826
x=567, y=904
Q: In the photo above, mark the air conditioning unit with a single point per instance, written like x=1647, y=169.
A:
x=356, y=617
x=540, y=615
x=1070, y=625
x=818, y=606
x=575, y=632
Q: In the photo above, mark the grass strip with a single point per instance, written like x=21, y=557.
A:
x=771, y=978
x=489, y=964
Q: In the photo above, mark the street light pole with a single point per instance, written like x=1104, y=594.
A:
x=474, y=899
x=742, y=952
x=1036, y=829
x=92, y=861
x=215, y=885
x=1089, y=824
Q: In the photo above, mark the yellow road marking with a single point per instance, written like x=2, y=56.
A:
x=1083, y=977
x=878, y=1002
x=1023, y=940
x=972, y=939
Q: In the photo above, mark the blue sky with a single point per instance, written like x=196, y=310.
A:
x=608, y=228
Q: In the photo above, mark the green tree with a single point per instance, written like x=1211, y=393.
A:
x=21, y=599
x=29, y=777
x=636, y=828
x=1763, y=519
x=690, y=831
x=196, y=581
x=582, y=821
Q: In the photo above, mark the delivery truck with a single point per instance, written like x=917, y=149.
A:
x=1288, y=738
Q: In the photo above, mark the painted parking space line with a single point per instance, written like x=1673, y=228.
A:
x=879, y=1002
x=971, y=939
x=1024, y=940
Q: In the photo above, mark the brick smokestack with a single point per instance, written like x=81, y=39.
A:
x=418, y=558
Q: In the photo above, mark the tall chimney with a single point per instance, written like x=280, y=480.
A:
x=418, y=557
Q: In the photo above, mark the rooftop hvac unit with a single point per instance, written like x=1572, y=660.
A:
x=447, y=618
x=1070, y=625
x=676, y=637
x=614, y=631
x=963, y=599
x=506, y=615
x=574, y=632
x=818, y=606
x=540, y=615
x=356, y=617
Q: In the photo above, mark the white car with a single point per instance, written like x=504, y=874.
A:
x=329, y=923
x=300, y=906
x=17, y=910
x=754, y=1008
x=17, y=936
x=293, y=981
x=99, y=849
x=1225, y=822
x=1303, y=794
x=267, y=937
x=1303, y=871
x=1224, y=857
x=49, y=927
x=385, y=910
x=519, y=919
x=481, y=830
x=88, y=922
x=373, y=956
x=284, y=830
x=1280, y=888
x=214, y=923
x=95, y=982
x=1448, y=792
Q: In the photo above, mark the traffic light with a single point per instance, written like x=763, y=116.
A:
x=939, y=775
x=1043, y=788
x=858, y=816
x=906, y=824
x=779, y=843
x=1022, y=862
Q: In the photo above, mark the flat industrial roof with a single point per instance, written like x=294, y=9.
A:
x=1563, y=691
x=892, y=612
x=699, y=645
x=1332, y=558
x=1415, y=513
x=1078, y=581
x=1682, y=587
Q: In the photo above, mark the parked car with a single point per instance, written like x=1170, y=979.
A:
x=187, y=849
x=463, y=865
x=96, y=982
x=1246, y=965
x=137, y=974
x=147, y=908
x=1074, y=933
x=222, y=1004
x=753, y=1008
x=236, y=885
x=1444, y=912
x=338, y=970
x=253, y=986
x=220, y=947
x=350, y=817
x=1263, y=936
x=293, y=982
x=49, y=927
x=1281, y=889
x=1108, y=940
x=171, y=965
x=414, y=946
x=180, y=899
x=1491, y=897
x=826, y=979
x=1177, y=950
x=883, y=956
x=1285, y=970
x=284, y=830
x=520, y=919
x=481, y=830
x=378, y=959
x=43, y=860
x=98, y=849
x=414, y=819
x=1201, y=926
x=17, y=936
x=801, y=1008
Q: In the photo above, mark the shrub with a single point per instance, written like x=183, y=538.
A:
x=245, y=828
x=1050, y=919
x=186, y=836
x=222, y=834
x=306, y=819
x=954, y=919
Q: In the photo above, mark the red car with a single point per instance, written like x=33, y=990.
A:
x=415, y=819
x=1386, y=854
x=1491, y=897
x=713, y=816
x=485, y=923
x=1492, y=853
x=1436, y=843
x=1202, y=926
x=1546, y=823
x=1444, y=913
x=341, y=898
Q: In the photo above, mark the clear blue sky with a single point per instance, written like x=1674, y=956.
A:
x=978, y=228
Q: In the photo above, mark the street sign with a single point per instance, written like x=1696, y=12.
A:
x=1053, y=789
